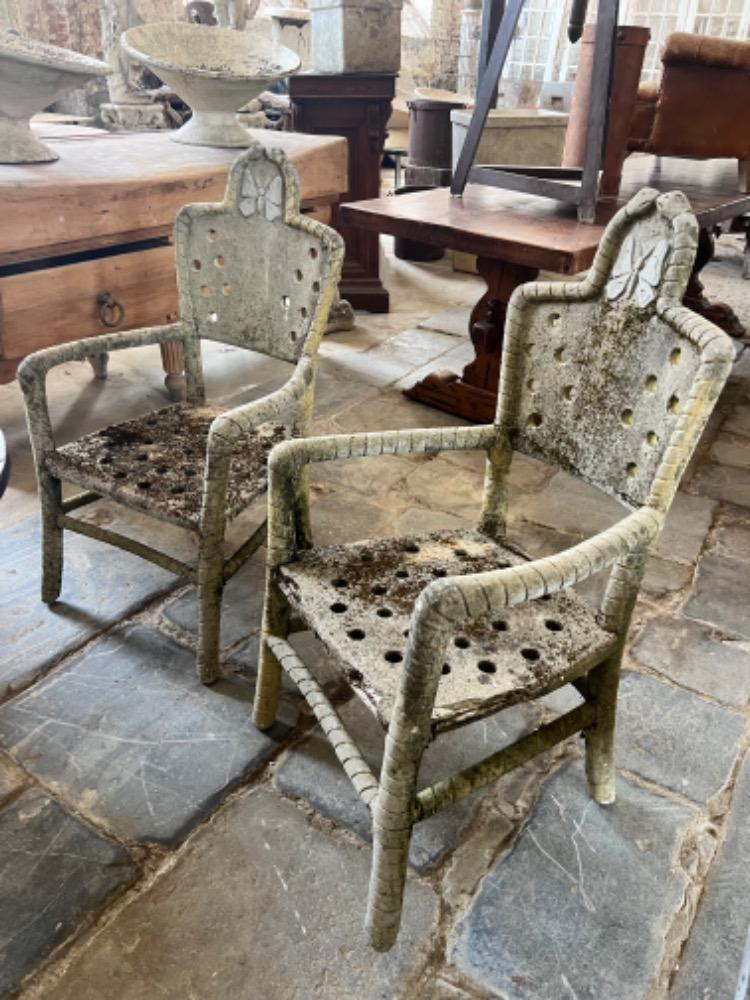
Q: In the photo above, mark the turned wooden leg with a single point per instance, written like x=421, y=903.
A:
x=717, y=312
x=473, y=394
x=173, y=361
x=99, y=363
x=743, y=175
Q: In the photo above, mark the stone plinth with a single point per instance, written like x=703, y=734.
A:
x=352, y=37
x=519, y=137
x=134, y=117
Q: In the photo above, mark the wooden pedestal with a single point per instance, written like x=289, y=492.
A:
x=356, y=107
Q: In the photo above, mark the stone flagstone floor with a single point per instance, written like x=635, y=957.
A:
x=154, y=845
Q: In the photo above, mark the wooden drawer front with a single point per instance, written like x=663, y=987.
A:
x=55, y=305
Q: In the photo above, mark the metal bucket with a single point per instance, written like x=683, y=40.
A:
x=430, y=132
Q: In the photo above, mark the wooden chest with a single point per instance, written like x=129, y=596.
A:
x=86, y=242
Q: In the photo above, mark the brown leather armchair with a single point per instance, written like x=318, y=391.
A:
x=700, y=107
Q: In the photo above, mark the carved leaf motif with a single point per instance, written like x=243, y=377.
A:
x=638, y=270
x=262, y=191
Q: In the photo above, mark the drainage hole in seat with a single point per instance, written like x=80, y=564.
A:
x=461, y=642
x=379, y=589
x=446, y=669
x=144, y=485
x=178, y=489
x=553, y=625
x=487, y=666
x=338, y=608
x=340, y=582
x=402, y=574
x=500, y=625
x=384, y=613
x=530, y=654
x=356, y=634
x=411, y=547
x=440, y=572
x=393, y=656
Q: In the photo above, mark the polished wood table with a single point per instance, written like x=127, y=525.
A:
x=516, y=235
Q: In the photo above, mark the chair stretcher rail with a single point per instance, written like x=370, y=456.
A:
x=446, y=793
x=356, y=767
x=130, y=545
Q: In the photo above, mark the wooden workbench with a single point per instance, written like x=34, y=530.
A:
x=99, y=221
x=516, y=235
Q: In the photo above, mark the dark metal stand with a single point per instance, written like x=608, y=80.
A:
x=576, y=186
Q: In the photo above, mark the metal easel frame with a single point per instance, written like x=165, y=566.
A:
x=499, y=20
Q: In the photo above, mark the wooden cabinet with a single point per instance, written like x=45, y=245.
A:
x=40, y=308
x=356, y=106
x=85, y=243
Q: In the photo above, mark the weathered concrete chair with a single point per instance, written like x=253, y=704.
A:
x=254, y=273
x=610, y=378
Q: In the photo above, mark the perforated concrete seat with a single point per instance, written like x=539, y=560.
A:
x=155, y=463
x=359, y=600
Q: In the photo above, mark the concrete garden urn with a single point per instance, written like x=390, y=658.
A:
x=216, y=71
x=32, y=76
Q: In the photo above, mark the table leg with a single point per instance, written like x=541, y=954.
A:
x=717, y=312
x=173, y=362
x=473, y=394
x=99, y=364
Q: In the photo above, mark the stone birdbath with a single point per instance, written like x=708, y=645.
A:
x=216, y=71
x=32, y=76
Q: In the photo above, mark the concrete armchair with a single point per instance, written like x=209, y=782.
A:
x=610, y=378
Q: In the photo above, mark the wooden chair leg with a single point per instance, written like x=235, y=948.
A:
x=268, y=684
x=600, y=738
x=743, y=175
x=210, y=591
x=52, y=537
x=173, y=362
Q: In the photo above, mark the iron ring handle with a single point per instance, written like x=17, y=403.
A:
x=111, y=312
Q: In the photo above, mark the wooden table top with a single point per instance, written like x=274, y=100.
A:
x=116, y=186
x=539, y=232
